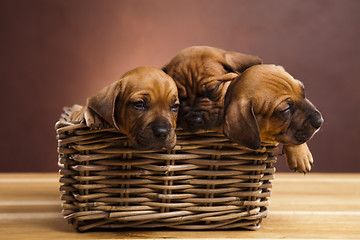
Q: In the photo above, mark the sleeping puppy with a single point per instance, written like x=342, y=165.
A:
x=202, y=75
x=266, y=104
x=142, y=104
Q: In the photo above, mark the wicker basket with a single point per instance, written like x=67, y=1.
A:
x=205, y=182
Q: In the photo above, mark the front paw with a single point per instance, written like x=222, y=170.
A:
x=299, y=157
x=93, y=120
x=76, y=114
x=87, y=116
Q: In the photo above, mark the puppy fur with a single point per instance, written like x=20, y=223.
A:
x=143, y=104
x=202, y=75
x=266, y=104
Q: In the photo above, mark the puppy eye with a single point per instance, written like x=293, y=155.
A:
x=287, y=110
x=211, y=93
x=139, y=105
x=175, y=107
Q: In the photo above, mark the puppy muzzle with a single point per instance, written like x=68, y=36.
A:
x=312, y=124
x=316, y=120
x=156, y=135
x=194, y=121
x=161, y=130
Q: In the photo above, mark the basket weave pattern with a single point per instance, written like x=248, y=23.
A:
x=205, y=182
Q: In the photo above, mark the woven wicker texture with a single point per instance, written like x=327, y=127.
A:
x=205, y=182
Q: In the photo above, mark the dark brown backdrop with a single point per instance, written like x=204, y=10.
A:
x=56, y=53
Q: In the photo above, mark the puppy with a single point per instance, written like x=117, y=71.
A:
x=202, y=75
x=143, y=104
x=266, y=104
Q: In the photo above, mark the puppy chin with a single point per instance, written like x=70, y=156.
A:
x=170, y=141
x=303, y=136
x=152, y=144
x=287, y=139
x=170, y=145
x=190, y=128
x=292, y=139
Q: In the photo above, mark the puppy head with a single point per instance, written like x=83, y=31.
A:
x=142, y=104
x=202, y=75
x=266, y=104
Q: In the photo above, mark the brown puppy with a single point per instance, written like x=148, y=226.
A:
x=266, y=104
x=142, y=104
x=202, y=75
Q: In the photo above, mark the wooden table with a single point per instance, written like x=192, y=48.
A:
x=312, y=206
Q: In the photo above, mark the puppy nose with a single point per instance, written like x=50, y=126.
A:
x=161, y=131
x=316, y=120
x=194, y=118
x=317, y=123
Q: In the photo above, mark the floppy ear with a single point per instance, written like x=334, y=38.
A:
x=104, y=102
x=239, y=62
x=240, y=124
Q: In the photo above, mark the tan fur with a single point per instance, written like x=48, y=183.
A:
x=202, y=75
x=266, y=104
x=117, y=105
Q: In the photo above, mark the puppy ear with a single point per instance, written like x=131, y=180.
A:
x=239, y=62
x=104, y=102
x=240, y=124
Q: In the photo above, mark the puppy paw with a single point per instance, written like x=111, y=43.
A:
x=94, y=121
x=299, y=157
x=77, y=114
x=87, y=116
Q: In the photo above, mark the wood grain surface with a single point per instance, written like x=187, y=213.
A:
x=312, y=206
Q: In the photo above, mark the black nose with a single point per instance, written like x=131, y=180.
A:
x=316, y=120
x=194, y=118
x=161, y=130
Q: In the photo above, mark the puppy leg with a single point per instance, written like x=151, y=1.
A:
x=77, y=114
x=93, y=121
x=87, y=116
x=299, y=157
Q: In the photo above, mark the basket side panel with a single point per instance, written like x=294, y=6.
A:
x=206, y=182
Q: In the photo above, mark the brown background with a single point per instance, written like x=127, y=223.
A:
x=56, y=53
